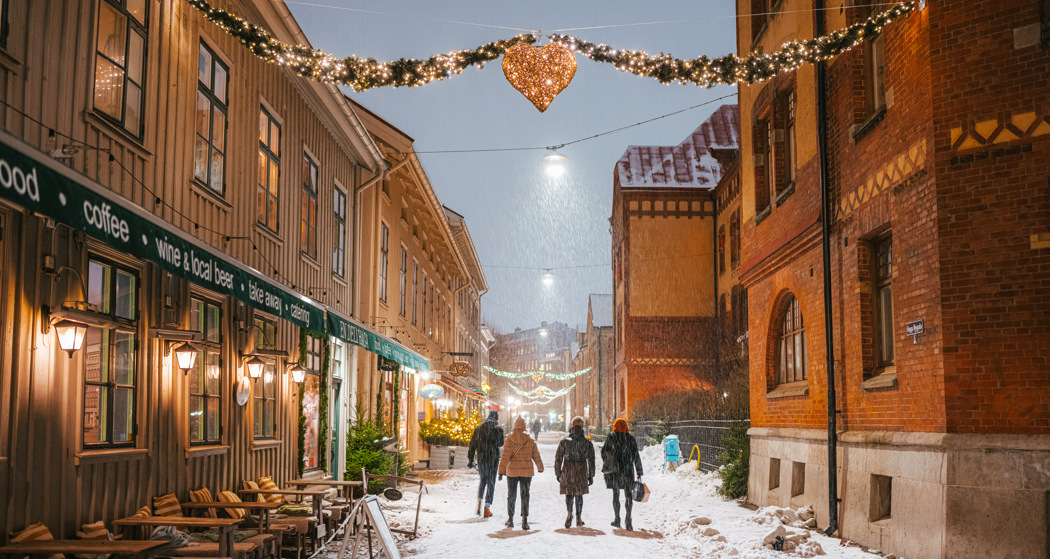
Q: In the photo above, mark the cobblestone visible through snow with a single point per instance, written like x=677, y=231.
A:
x=684, y=517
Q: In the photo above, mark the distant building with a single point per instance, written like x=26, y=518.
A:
x=665, y=299
x=539, y=351
x=593, y=397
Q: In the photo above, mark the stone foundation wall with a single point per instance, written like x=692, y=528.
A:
x=949, y=495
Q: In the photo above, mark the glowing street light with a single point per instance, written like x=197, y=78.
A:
x=555, y=163
x=547, y=278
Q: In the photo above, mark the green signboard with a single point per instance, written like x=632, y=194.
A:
x=354, y=333
x=36, y=184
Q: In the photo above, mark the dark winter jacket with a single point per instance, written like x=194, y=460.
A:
x=486, y=440
x=621, y=462
x=574, y=463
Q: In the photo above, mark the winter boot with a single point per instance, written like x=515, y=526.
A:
x=579, y=520
x=568, y=520
x=616, y=522
x=509, y=523
x=524, y=523
x=627, y=524
x=488, y=513
x=479, y=507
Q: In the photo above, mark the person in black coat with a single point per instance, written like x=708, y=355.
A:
x=536, y=426
x=574, y=468
x=485, y=444
x=622, y=465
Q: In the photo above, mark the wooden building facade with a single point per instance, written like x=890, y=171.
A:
x=242, y=175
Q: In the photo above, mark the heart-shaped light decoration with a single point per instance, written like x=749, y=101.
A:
x=539, y=74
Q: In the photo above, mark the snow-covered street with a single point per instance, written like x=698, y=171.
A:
x=669, y=525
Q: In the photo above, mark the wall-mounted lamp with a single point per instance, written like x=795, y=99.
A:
x=70, y=335
x=255, y=366
x=186, y=357
x=71, y=324
x=298, y=372
x=186, y=352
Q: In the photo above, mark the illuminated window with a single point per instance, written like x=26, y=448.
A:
x=312, y=404
x=308, y=212
x=269, y=169
x=110, y=356
x=205, y=379
x=264, y=393
x=791, y=351
x=120, y=62
x=209, y=148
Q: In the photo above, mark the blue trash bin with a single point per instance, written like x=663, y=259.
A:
x=671, y=448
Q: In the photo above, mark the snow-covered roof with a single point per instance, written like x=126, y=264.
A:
x=691, y=162
x=601, y=308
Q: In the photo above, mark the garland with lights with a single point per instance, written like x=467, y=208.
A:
x=367, y=73
x=359, y=73
x=537, y=375
x=730, y=69
x=539, y=402
x=542, y=391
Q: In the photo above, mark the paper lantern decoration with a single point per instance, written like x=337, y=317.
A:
x=539, y=74
x=431, y=392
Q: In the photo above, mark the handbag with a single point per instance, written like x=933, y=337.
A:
x=640, y=492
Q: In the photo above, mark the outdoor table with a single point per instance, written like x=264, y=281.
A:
x=348, y=485
x=92, y=547
x=249, y=505
x=317, y=495
x=225, y=526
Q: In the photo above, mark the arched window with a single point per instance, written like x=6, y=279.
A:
x=791, y=351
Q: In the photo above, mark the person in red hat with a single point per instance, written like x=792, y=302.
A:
x=621, y=465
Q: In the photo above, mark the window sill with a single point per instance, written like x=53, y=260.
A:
x=309, y=261
x=341, y=280
x=762, y=214
x=202, y=451
x=886, y=378
x=862, y=129
x=10, y=63
x=785, y=194
x=789, y=390
x=204, y=191
x=126, y=139
x=268, y=233
x=114, y=455
x=265, y=444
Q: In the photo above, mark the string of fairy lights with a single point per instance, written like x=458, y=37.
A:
x=537, y=375
x=542, y=391
x=363, y=74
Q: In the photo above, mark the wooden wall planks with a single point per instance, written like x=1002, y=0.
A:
x=46, y=71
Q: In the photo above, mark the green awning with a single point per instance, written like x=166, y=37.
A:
x=354, y=332
x=34, y=182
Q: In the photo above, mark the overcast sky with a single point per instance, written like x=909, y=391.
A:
x=517, y=216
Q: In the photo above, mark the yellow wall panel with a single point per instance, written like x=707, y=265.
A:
x=670, y=267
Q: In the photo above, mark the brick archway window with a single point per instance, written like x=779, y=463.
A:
x=791, y=358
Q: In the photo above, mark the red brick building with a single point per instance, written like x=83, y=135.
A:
x=938, y=160
x=663, y=253
x=592, y=398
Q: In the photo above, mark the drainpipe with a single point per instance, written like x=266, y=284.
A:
x=825, y=244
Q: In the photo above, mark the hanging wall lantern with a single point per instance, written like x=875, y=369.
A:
x=255, y=367
x=70, y=335
x=186, y=357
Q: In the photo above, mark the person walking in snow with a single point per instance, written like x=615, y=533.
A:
x=485, y=444
x=621, y=463
x=536, y=426
x=519, y=453
x=574, y=468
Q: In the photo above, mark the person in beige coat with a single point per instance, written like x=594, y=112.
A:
x=519, y=453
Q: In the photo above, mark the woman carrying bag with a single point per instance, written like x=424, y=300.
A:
x=519, y=453
x=574, y=468
x=621, y=465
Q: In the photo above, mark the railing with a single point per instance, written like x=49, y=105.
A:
x=708, y=434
